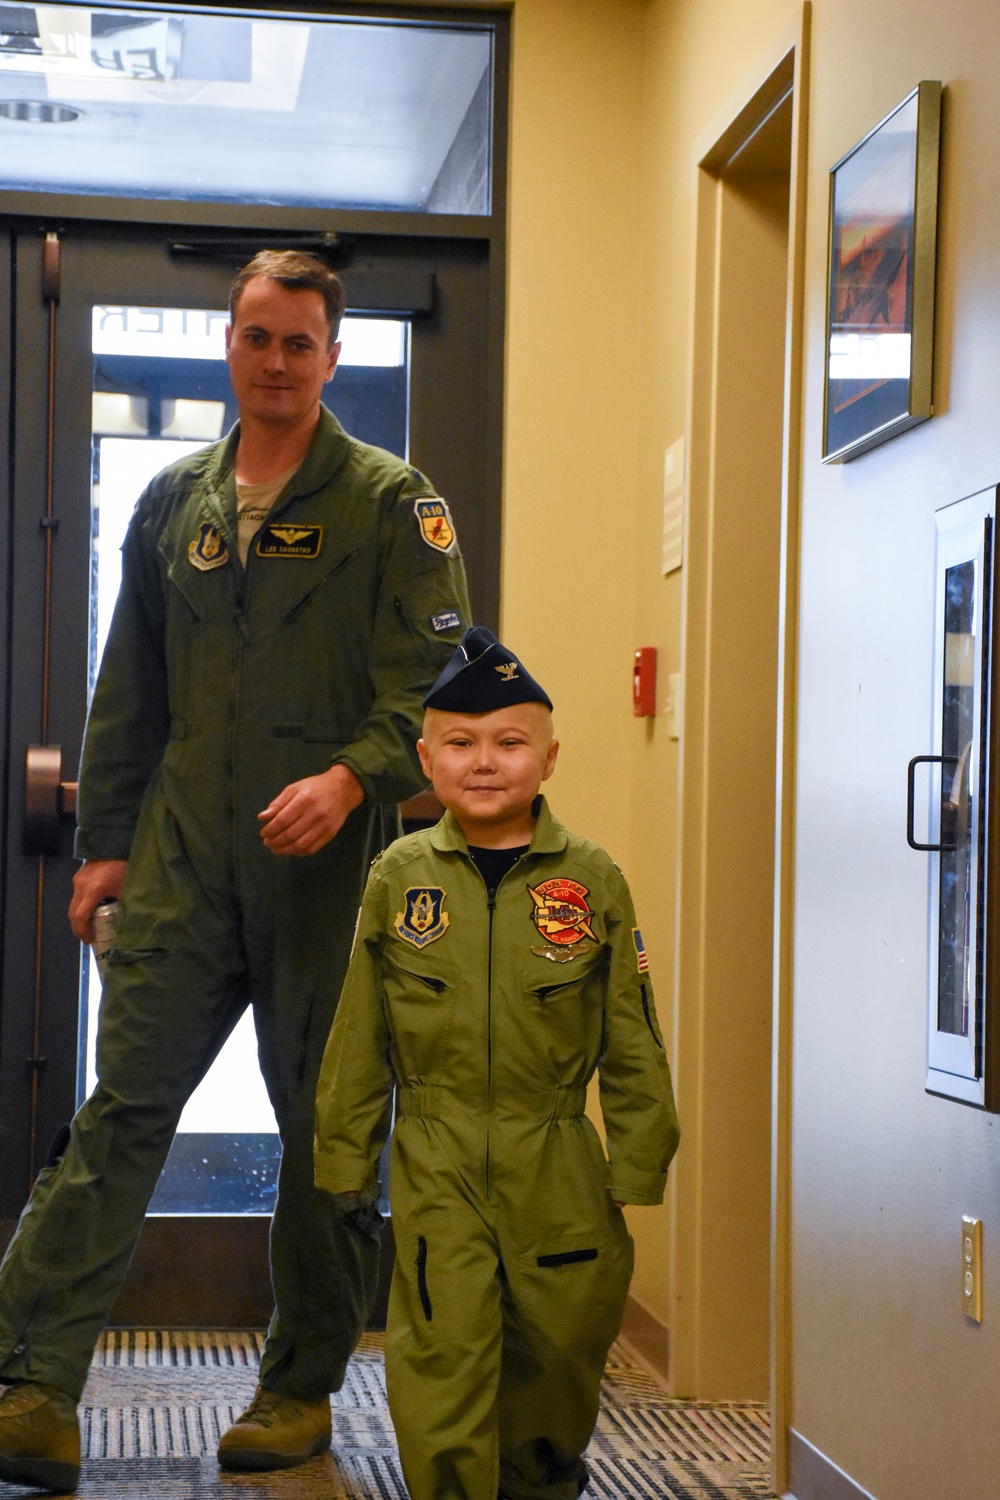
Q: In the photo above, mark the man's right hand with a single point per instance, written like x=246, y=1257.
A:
x=95, y=881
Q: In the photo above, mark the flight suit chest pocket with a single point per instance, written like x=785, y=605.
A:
x=562, y=1016
x=560, y=985
x=186, y=676
x=420, y=1000
x=413, y=979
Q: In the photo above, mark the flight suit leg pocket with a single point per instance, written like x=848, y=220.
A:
x=422, y=1292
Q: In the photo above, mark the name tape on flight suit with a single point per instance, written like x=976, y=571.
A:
x=424, y=919
x=208, y=550
x=280, y=539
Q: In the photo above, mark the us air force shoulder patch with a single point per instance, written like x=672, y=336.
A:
x=280, y=539
x=434, y=520
x=208, y=550
x=424, y=920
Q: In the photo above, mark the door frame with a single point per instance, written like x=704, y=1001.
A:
x=784, y=69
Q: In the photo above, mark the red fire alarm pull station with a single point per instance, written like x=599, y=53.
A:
x=644, y=683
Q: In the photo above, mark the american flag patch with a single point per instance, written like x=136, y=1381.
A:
x=642, y=957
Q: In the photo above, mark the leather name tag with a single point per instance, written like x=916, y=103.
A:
x=285, y=540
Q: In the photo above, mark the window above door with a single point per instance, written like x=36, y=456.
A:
x=359, y=112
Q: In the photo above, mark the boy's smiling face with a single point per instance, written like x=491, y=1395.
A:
x=487, y=768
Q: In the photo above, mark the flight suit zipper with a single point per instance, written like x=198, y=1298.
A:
x=491, y=901
x=231, y=749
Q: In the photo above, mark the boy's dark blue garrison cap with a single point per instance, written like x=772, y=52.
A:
x=482, y=676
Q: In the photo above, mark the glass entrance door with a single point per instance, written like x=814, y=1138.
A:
x=161, y=391
x=129, y=362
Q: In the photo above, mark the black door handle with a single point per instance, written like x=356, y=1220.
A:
x=936, y=760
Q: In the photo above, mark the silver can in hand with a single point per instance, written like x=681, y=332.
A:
x=104, y=926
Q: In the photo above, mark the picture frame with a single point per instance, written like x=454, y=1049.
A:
x=881, y=264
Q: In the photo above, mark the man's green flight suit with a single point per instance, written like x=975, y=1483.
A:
x=513, y=1260
x=219, y=686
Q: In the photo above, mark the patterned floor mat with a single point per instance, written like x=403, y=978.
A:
x=156, y=1402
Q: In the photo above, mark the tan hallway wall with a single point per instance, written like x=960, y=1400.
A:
x=888, y=1379
x=697, y=59
x=572, y=427
x=607, y=98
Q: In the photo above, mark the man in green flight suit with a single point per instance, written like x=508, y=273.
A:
x=287, y=597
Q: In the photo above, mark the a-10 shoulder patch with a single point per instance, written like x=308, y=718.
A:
x=436, y=525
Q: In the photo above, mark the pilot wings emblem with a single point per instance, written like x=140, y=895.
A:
x=286, y=540
x=291, y=534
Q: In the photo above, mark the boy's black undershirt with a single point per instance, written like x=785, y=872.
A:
x=493, y=864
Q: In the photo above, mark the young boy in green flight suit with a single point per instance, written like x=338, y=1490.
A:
x=497, y=964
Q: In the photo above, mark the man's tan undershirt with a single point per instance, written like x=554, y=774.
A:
x=253, y=505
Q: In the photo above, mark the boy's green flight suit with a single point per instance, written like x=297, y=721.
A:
x=513, y=1260
x=219, y=686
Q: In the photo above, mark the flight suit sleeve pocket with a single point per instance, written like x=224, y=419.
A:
x=426, y=610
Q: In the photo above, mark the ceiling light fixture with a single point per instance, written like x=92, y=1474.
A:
x=37, y=111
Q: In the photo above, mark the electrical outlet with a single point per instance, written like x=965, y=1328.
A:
x=972, y=1268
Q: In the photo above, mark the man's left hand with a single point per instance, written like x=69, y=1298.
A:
x=309, y=813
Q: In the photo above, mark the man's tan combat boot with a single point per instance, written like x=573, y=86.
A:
x=276, y=1432
x=39, y=1436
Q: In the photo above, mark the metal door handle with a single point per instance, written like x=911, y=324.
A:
x=47, y=799
x=936, y=760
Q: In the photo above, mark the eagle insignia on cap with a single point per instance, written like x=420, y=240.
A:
x=482, y=675
x=424, y=919
x=208, y=550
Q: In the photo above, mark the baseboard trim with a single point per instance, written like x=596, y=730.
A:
x=813, y=1476
x=647, y=1338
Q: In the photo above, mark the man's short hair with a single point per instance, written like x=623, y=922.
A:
x=297, y=271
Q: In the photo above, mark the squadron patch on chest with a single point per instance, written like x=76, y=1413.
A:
x=424, y=919
x=281, y=540
x=562, y=916
x=434, y=520
x=208, y=550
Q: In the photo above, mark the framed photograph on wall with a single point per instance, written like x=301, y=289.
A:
x=880, y=302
